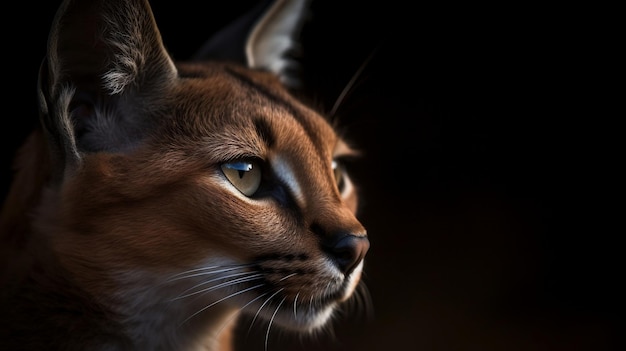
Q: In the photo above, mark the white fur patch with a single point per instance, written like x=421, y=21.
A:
x=284, y=171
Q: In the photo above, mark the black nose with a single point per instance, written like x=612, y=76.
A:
x=348, y=251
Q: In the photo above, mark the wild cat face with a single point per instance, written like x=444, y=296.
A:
x=202, y=184
x=247, y=203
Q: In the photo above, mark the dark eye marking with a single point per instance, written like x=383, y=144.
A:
x=265, y=132
x=297, y=115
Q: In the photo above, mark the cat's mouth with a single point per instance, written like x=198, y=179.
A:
x=297, y=296
x=319, y=285
x=301, y=302
x=297, y=313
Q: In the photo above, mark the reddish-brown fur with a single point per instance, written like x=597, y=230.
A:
x=87, y=258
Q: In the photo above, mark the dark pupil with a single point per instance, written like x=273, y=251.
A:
x=241, y=167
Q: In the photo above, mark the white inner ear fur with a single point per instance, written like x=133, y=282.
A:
x=273, y=35
x=131, y=56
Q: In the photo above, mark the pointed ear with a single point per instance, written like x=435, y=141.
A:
x=101, y=55
x=263, y=38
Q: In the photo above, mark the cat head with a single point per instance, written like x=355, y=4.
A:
x=203, y=182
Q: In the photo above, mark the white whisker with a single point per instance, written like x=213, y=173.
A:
x=220, y=300
x=218, y=278
x=221, y=285
x=288, y=276
x=192, y=273
x=240, y=309
x=295, y=302
x=348, y=86
x=260, y=308
x=199, y=269
x=267, y=334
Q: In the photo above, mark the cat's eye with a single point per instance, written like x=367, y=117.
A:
x=244, y=175
x=339, y=173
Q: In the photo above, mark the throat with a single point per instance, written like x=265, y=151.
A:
x=155, y=322
x=208, y=331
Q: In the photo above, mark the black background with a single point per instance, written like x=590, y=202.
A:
x=486, y=181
